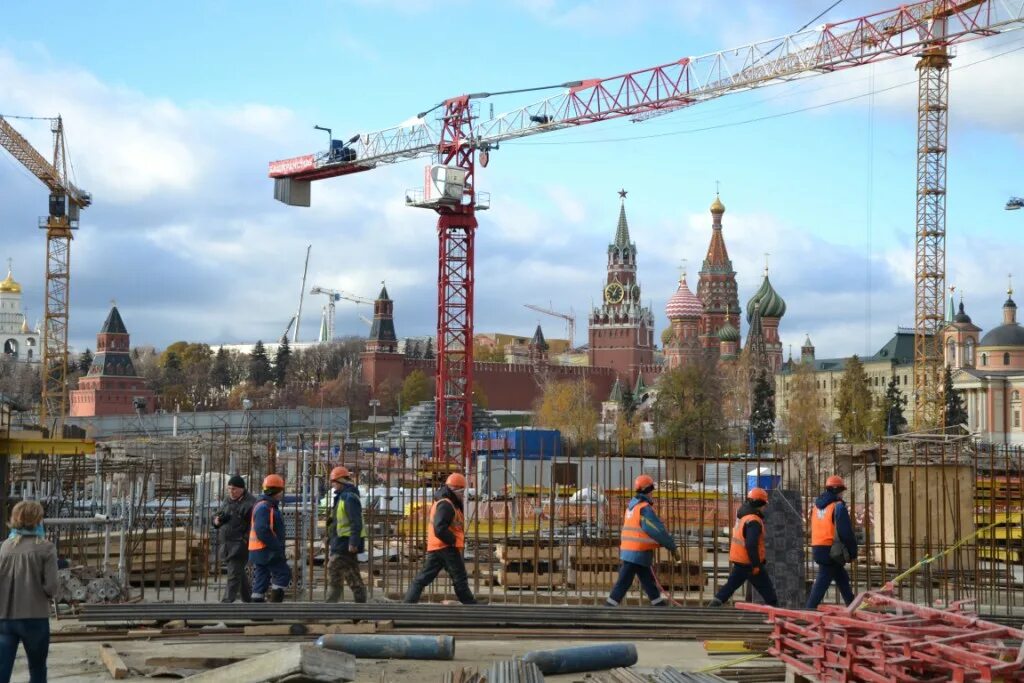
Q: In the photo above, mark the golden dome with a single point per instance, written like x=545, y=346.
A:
x=24, y=326
x=717, y=206
x=9, y=286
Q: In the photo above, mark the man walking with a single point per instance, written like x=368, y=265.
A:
x=233, y=521
x=347, y=536
x=446, y=539
x=267, y=544
x=642, y=534
x=747, y=553
x=830, y=522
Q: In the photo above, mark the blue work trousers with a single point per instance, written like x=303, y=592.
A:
x=34, y=634
x=273, y=574
x=627, y=572
x=827, y=573
x=740, y=574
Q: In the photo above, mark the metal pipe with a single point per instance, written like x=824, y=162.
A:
x=585, y=658
x=383, y=646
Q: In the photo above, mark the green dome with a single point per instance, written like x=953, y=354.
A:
x=772, y=305
x=728, y=333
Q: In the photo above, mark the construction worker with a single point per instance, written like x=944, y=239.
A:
x=446, y=538
x=347, y=537
x=830, y=521
x=233, y=521
x=746, y=552
x=267, y=544
x=642, y=534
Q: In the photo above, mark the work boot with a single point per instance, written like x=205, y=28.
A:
x=257, y=598
x=359, y=595
x=276, y=595
x=715, y=602
x=333, y=594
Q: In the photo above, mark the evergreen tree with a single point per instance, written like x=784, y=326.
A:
x=762, y=414
x=956, y=413
x=84, y=361
x=428, y=353
x=172, y=374
x=889, y=419
x=220, y=374
x=854, y=402
x=281, y=360
x=259, y=365
x=412, y=349
x=628, y=404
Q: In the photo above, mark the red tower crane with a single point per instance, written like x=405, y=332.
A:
x=925, y=28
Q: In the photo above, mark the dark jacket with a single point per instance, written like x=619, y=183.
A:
x=235, y=519
x=444, y=515
x=274, y=551
x=844, y=528
x=349, y=497
x=652, y=524
x=751, y=531
x=28, y=577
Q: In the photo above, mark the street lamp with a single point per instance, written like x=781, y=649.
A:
x=373, y=404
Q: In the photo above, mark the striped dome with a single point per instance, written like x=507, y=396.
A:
x=728, y=333
x=683, y=304
x=772, y=305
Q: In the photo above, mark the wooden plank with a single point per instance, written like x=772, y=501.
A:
x=115, y=665
x=314, y=663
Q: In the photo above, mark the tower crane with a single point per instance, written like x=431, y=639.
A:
x=1014, y=204
x=332, y=298
x=66, y=203
x=569, y=318
x=458, y=138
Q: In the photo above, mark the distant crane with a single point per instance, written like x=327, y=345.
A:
x=66, y=201
x=333, y=296
x=1014, y=203
x=569, y=318
x=302, y=291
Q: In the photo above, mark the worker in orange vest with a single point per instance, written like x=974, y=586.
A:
x=642, y=534
x=446, y=539
x=833, y=542
x=267, y=544
x=747, y=553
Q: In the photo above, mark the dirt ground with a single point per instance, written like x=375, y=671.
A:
x=81, y=662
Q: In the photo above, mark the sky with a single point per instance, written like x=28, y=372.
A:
x=173, y=110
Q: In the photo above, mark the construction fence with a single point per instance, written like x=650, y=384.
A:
x=538, y=531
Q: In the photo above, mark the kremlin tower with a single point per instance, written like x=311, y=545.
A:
x=621, y=330
x=716, y=287
x=111, y=386
x=769, y=306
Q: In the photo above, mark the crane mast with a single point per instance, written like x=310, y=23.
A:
x=66, y=202
x=927, y=27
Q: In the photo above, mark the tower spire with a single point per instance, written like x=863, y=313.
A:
x=622, y=229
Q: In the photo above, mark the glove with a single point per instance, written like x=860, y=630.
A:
x=217, y=521
x=677, y=555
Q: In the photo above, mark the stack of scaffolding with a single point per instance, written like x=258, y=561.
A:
x=999, y=502
x=596, y=567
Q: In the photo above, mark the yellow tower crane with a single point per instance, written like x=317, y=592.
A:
x=66, y=201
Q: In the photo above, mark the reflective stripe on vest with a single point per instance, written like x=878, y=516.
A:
x=738, y=547
x=633, y=535
x=254, y=541
x=344, y=527
x=456, y=527
x=823, y=525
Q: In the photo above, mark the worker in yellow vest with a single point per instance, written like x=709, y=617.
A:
x=347, y=534
x=267, y=544
x=446, y=539
x=833, y=542
x=747, y=552
x=642, y=534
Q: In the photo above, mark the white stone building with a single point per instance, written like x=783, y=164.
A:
x=20, y=340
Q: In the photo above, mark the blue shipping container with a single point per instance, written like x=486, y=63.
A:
x=531, y=444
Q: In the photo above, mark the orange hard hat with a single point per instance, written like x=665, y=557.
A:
x=642, y=482
x=835, y=482
x=758, y=493
x=455, y=481
x=273, y=481
x=340, y=472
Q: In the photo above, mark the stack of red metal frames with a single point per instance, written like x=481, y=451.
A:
x=879, y=638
